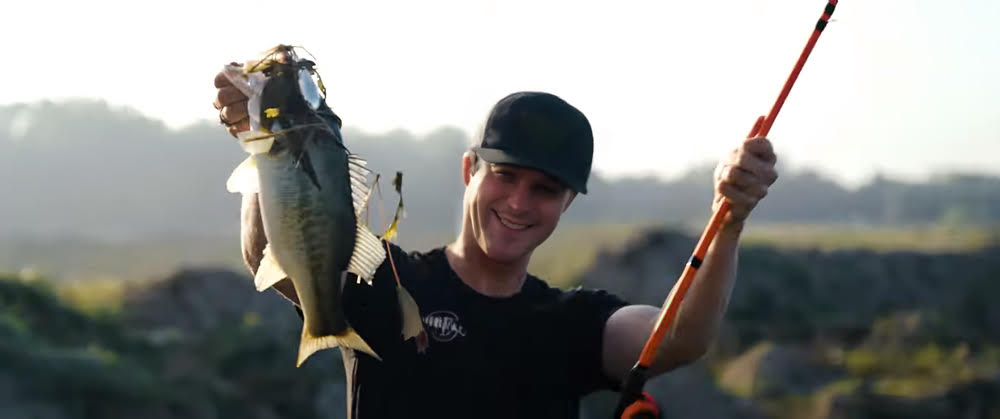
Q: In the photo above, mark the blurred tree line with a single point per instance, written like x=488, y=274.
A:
x=82, y=169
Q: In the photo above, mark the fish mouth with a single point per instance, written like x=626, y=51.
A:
x=511, y=224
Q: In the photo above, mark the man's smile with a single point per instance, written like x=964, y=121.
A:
x=509, y=223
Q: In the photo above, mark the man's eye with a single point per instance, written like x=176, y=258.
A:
x=547, y=190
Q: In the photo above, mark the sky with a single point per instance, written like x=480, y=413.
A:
x=906, y=88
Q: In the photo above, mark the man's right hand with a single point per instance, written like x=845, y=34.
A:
x=232, y=106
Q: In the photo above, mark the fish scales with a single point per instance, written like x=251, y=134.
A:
x=311, y=191
x=311, y=230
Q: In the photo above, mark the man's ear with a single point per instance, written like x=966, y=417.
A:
x=572, y=195
x=467, y=167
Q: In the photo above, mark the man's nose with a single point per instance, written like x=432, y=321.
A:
x=519, y=198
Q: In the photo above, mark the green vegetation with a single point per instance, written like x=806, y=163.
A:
x=926, y=238
x=71, y=260
x=572, y=250
x=68, y=363
x=99, y=296
x=923, y=371
x=110, y=348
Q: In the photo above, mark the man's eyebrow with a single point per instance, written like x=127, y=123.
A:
x=549, y=179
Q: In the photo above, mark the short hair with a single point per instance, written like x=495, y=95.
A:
x=476, y=161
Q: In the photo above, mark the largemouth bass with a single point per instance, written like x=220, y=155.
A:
x=311, y=192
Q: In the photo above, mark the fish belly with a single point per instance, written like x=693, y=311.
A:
x=310, y=229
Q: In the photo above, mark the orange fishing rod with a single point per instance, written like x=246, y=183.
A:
x=634, y=403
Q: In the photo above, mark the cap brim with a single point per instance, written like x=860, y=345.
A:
x=496, y=156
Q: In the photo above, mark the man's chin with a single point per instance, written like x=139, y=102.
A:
x=507, y=253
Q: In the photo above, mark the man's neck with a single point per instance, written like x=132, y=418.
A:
x=484, y=275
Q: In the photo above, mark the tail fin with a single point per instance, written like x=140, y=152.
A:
x=309, y=344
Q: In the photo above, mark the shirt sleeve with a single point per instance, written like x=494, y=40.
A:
x=588, y=312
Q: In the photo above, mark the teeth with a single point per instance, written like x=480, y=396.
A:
x=510, y=225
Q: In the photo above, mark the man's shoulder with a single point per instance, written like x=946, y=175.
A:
x=416, y=264
x=399, y=252
x=577, y=296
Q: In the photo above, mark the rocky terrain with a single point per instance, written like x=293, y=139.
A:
x=809, y=334
x=845, y=334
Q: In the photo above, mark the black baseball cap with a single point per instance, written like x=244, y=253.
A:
x=540, y=131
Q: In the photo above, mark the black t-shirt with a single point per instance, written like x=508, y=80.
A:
x=534, y=354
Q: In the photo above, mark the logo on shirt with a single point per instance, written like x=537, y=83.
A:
x=443, y=326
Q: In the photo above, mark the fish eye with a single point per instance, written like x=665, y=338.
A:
x=308, y=88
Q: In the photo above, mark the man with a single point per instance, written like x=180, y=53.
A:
x=503, y=344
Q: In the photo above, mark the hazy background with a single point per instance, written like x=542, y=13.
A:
x=866, y=278
x=904, y=87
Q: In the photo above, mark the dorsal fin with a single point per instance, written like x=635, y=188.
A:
x=358, y=170
x=368, y=254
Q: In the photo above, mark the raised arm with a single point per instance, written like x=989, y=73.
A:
x=742, y=178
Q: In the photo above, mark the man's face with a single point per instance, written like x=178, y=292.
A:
x=511, y=209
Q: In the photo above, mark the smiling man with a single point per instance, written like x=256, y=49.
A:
x=502, y=343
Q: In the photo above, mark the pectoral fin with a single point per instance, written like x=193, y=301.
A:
x=244, y=178
x=269, y=272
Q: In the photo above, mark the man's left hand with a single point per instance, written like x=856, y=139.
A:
x=742, y=178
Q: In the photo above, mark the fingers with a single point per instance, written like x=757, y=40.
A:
x=232, y=105
x=744, y=181
x=239, y=127
x=227, y=96
x=743, y=177
x=234, y=112
x=221, y=80
x=740, y=202
x=762, y=148
x=235, y=117
x=756, y=156
x=759, y=168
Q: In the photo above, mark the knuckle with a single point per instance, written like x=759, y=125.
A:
x=740, y=177
x=230, y=95
x=727, y=174
x=745, y=158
